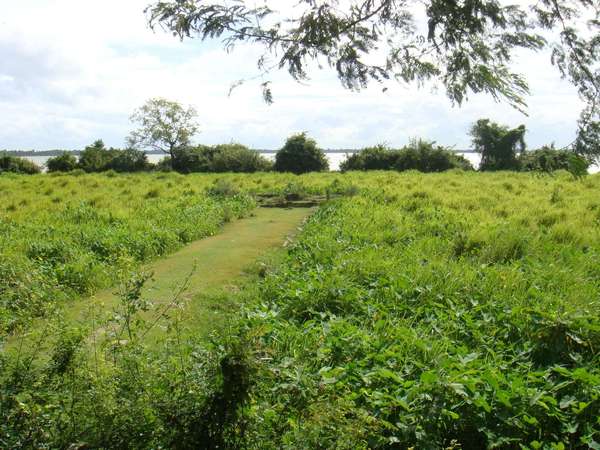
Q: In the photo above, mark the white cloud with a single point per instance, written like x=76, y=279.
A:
x=73, y=71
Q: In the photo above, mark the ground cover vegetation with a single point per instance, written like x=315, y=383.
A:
x=454, y=310
x=69, y=235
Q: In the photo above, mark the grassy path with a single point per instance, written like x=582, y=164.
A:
x=219, y=262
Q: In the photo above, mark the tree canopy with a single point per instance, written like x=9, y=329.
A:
x=468, y=46
x=497, y=144
x=163, y=125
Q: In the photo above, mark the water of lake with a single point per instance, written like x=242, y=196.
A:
x=335, y=159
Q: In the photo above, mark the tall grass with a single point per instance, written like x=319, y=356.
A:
x=455, y=310
x=63, y=237
x=439, y=311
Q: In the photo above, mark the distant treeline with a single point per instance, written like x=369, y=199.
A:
x=500, y=147
x=30, y=153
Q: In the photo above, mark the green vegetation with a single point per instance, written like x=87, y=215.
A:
x=300, y=154
x=420, y=155
x=66, y=236
x=163, y=125
x=14, y=164
x=548, y=159
x=65, y=162
x=497, y=144
x=454, y=310
x=219, y=159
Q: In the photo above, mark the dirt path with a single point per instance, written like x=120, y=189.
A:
x=218, y=260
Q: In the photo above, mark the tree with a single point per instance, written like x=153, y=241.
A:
x=96, y=157
x=467, y=46
x=164, y=125
x=300, y=154
x=65, y=162
x=497, y=144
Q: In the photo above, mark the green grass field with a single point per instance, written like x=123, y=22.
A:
x=456, y=310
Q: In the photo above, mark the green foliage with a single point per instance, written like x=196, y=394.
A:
x=17, y=165
x=128, y=160
x=238, y=158
x=439, y=319
x=300, y=154
x=96, y=157
x=420, y=155
x=126, y=396
x=425, y=311
x=468, y=47
x=379, y=157
x=548, y=159
x=65, y=162
x=497, y=144
x=220, y=158
x=62, y=237
x=193, y=159
x=163, y=125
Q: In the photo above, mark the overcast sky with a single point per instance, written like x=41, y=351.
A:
x=73, y=71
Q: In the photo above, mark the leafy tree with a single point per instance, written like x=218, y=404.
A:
x=300, y=154
x=96, y=157
x=497, y=144
x=466, y=46
x=163, y=125
x=65, y=162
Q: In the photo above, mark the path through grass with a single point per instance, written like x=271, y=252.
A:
x=214, y=263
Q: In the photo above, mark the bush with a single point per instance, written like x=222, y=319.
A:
x=238, y=158
x=371, y=158
x=425, y=156
x=220, y=158
x=128, y=160
x=300, y=154
x=18, y=165
x=193, y=159
x=65, y=162
x=420, y=155
x=164, y=165
x=96, y=157
x=548, y=159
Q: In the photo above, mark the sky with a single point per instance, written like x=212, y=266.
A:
x=73, y=71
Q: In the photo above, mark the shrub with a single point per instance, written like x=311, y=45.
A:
x=220, y=158
x=425, y=156
x=65, y=162
x=548, y=159
x=18, y=165
x=419, y=155
x=300, y=154
x=371, y=158
x=164, y=165
x=128, y=160
x=193, y=159
x=238, y=158
x=96, y=157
